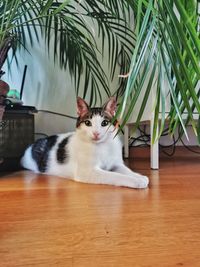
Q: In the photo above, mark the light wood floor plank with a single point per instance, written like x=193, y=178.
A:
x=49, y=221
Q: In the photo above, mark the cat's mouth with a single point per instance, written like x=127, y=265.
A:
x=96, y=138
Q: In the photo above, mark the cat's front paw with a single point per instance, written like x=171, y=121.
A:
x=143, y=182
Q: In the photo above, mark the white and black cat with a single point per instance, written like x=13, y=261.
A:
x=91, y=154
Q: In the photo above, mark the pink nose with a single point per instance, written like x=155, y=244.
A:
x=96, y=135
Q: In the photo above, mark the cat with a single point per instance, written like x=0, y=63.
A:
x=91, y=154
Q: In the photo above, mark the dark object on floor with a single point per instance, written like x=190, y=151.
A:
x=16, y=134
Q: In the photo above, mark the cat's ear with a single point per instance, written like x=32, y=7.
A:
x=82, y=107
x=111, y=106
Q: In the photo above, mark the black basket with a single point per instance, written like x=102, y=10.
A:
x=16, y=134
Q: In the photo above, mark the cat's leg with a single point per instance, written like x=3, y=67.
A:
x=99, y=176
x=125, y=170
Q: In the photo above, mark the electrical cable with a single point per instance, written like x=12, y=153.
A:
x=188, y=148
x=163, y=147
x=59, y=114
x=45, y=135
x=145, y=138
x=54, y=113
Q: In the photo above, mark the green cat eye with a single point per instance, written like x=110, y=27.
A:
x=88, y=123
x=104, y=123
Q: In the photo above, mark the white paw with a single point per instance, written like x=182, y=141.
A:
x=143, y=182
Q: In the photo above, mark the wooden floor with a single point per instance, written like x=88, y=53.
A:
x=48, y=221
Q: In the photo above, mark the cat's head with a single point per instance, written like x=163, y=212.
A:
x=95, y=124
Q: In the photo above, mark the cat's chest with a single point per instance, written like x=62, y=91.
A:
x=103, y=155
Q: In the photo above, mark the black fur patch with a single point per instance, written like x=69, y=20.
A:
x=61, y=152
x=40, y=151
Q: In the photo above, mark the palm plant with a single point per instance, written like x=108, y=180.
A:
x=165, y=41
x=167, y=47
x=72, y=28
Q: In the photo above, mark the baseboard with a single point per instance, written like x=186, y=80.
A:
x=181, y=151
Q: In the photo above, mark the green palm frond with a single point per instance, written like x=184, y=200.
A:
x=72, y=28
x=176, y=59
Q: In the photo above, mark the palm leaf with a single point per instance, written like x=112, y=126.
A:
x=177, y=58
x=65, y=25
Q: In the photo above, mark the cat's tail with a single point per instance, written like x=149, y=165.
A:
x=27, y=160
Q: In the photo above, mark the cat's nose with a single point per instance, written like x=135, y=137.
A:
x=96, y=135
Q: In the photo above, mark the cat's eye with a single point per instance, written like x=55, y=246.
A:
x=104, y=123
x=88, y=123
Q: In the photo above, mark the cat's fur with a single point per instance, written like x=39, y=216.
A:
x=91, y=154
